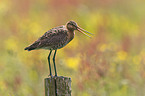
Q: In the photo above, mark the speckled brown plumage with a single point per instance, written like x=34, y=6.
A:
x=53, y=39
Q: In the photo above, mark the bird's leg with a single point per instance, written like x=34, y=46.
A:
x=49, y=63
x=54, y=63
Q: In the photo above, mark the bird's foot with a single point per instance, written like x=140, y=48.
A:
x=50, y=75
x=56, y=75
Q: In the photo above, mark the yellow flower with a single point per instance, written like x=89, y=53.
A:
x=122, y=55
x=73, y=62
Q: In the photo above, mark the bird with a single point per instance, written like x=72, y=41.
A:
x=56, y=38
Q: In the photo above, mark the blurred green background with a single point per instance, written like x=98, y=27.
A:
x=112, y=63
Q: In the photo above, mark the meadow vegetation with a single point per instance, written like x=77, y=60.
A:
x=111, y=63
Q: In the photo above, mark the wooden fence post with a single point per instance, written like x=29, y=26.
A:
x=57, y=86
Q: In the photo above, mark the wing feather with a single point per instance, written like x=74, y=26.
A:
x=51, y=39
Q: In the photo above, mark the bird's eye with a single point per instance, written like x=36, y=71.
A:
x=73, y=24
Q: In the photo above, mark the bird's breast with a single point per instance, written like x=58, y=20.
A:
x=66, y=40
x=70, y=35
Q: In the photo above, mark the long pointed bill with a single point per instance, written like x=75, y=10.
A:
x=81, y=30
x=84, y=33
x=85, y=30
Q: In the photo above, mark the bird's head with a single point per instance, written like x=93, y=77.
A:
x=71, y=25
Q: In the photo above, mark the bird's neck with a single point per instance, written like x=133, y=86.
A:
x=71, y=34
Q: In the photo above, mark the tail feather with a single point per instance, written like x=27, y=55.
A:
x=32, y=46
x=29, y=48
